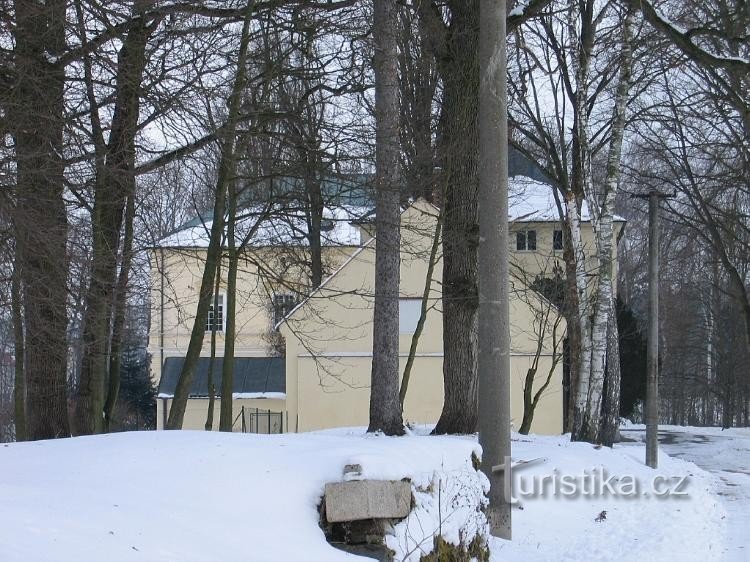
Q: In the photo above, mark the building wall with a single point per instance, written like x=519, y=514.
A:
x=528, y=264
x=175, y=282
x=329, y=342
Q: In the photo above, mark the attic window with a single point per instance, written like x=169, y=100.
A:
x=326, y=225
x=283, y=303
x=526, y=240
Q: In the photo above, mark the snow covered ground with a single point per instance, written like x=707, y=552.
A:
x=726, y=455
x=199, y=496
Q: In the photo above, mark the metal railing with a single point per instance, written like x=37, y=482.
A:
x=256, y=420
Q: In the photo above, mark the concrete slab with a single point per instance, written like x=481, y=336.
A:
x=367, y=499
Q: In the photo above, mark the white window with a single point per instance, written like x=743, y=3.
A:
x=215, y=318
x=283, y=303
x=526, y=240
x=409, y=311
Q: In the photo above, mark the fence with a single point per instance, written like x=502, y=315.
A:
x=255, y=420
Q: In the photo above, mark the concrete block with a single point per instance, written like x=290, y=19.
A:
x=367, y=499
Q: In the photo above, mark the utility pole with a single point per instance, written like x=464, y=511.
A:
x=652, y=352
x=494, y=332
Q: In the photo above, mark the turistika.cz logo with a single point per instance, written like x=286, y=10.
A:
x=593, y=483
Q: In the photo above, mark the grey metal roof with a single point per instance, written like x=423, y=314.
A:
x=251, y=374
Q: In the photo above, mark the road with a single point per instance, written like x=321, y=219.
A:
x=727, y=456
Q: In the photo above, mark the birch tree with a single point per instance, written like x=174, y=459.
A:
x=561, y=87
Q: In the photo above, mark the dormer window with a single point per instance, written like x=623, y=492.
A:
x=526, y=240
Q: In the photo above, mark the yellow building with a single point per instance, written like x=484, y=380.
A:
x=304, y=363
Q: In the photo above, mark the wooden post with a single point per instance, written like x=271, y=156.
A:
x=652, y=354
x=494, y=326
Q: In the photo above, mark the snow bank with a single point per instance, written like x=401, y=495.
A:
x=198, y=496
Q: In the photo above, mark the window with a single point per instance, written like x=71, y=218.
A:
x=409, y=311
x=215, y=318
x=557, y=240
x=526, y=240
x=283, y=304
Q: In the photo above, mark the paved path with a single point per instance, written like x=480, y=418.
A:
x=727, y=455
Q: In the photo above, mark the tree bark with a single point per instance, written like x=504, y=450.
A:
x=118, y=315
x=227, y=372
x=19, y=379
x=385, y=408
x=41, y=221
x=459, y=153
x=210, y=386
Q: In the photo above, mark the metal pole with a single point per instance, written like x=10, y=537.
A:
x=494, y=332
x=652, y=355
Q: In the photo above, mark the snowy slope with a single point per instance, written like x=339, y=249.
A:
x=640, y=527
x=199, y=496
x=192, y=496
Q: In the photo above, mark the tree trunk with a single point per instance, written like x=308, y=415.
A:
x=459, y=152
x=610, y=423
x=19, y=380
x=41, y=222
x=315, y=200
x=385, y=408
x=115, y=181
x=118, y=315
x=227, y=373
x=213, y=252
x=210, y=386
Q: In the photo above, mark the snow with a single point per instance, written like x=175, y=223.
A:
x=636, y=527
x=267, y=395
x=530, y=200
x=279, y=227
x=726, y=455
x=193, y=496
x=242, y=395
x=519, y=9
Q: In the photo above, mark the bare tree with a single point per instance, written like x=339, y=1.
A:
x=213, y=253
